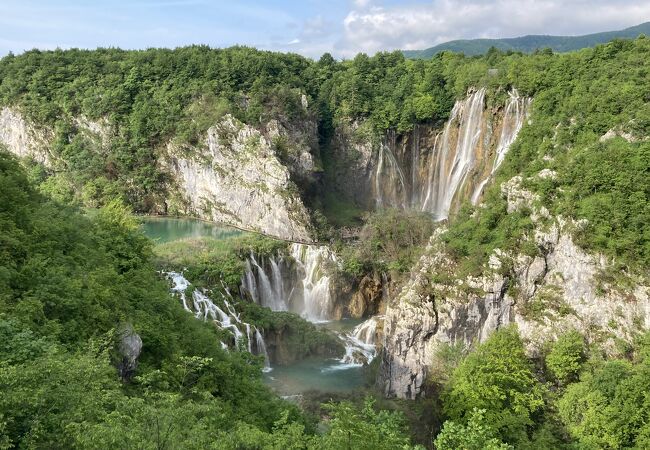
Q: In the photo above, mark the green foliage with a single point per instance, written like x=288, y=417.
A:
x=476, y=435
x=390, y=240
x=530, y=43
x=144, y=99
x=297, y=337
x=566, y=357
x=209, y=260
x=365, y=429
x=610, y=406
x=497, y=378
x=67, y=281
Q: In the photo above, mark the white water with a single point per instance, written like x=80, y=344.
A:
x=450, y=165
x=360, y=346
x=514, y=116
x=439, y=173
x=317, y=298
x=261, y=349
x=306, y=281
x=389, y=175
x=205, y=309
x=266, y=289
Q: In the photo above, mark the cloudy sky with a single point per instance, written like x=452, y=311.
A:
x=309, y=27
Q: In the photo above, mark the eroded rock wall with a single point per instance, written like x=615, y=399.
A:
x=545, y=295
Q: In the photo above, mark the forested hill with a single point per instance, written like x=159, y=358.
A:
x=530, y=43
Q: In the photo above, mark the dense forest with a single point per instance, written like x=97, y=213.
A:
x=530, y=43
x=74, y=282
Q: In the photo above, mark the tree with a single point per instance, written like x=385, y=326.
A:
x=477, y=434
x=566, y=357
x=497, y=378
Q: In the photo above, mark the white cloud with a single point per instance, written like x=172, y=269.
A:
x=416, y=26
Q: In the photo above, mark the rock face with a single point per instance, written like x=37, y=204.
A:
x=240, y=175
x=237, y=178
x=562, y=288
x=23, y=139
x=129, y=348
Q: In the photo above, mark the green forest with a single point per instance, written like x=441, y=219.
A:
x=76, y=271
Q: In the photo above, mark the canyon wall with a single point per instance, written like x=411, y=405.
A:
x=562, y=288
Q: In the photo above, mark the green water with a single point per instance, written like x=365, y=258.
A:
x=167, y=229
x=320, y=374
x=314, y=374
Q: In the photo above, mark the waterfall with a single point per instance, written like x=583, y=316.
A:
x=205, y=309
x=261, y=350
x=450, y=164
x=449, y=167
x=180, y=286
x=306, y=281
x=515, y=113
x=389, y=177
x=317, y=298
x=359, y=344
x=266, y=290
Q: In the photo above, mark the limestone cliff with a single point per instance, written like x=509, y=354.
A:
x=562, y=288
x=237, y=177
x=22, y=138
x=240, y=175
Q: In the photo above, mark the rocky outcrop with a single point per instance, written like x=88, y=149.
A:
x=237, y=178
x=129, y=347
x=560, y=289
x=23, y=139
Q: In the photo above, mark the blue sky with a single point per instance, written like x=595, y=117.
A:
x=309, y=27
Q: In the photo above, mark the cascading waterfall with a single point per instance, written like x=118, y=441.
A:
x=261, y=349
x=302, y=287
x=514, y=116
x=317, y=298
x=450, y=164
x=440, y=172
x=360, y=345
x=265, y=289
x=205, y=309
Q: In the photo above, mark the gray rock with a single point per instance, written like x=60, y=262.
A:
x=129, y=348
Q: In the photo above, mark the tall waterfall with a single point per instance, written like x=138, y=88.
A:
x=450, y=164
x=514, y=116
x=390, y=183
x=432, y=172
x=301, y=285
x=205, y=309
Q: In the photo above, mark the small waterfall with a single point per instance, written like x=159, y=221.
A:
x=205, y=309
x=266, y=290
x=302, y=287
x=180, y=286
x=261, y=350
x=515, y=114
x=317, y=298
x=359, y=344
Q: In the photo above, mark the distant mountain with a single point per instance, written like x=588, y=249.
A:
x=530, y=43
